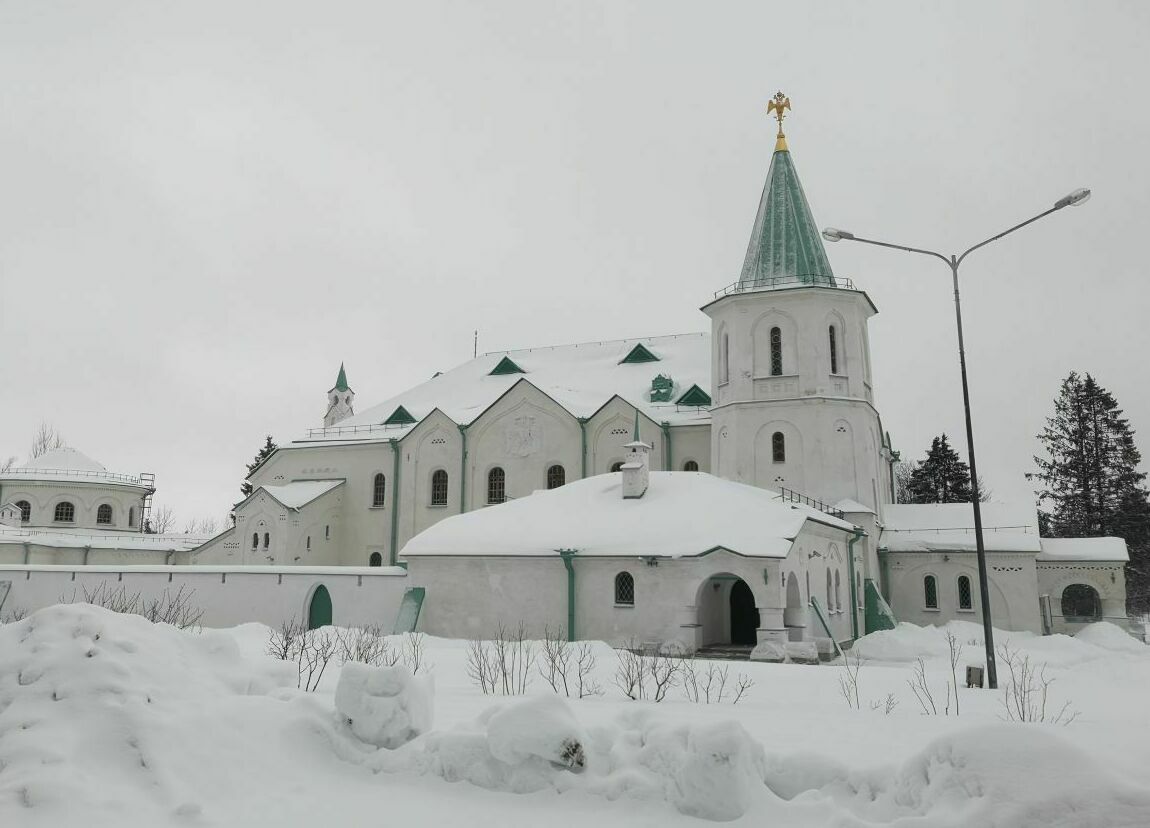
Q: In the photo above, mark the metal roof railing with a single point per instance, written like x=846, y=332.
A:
x=774, y=283
x=339, y=431
x=144, y=479
x=791, y=496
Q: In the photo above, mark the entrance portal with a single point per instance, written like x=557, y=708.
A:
x=319, y=610
x=744, y=615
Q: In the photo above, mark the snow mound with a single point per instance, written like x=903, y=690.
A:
x=384, y=706
x=1111, y=637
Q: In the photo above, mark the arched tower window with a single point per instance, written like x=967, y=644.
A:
x=556, y=477
x=439, y=488
x=104, y=514
x=930, y=591
x=267, y=540
x=776, y=352
x=624, y=589
x=25, y=510
x=834, y=349
x=376, y=559
x=725, y=358
x=691, y=465
x=65, y=512
x=496, y=485
x=965, y=599
x=378, y=490
x=778, y=447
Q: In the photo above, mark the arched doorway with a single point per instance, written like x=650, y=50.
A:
x=1080, y=603
x=795, y=612
x=319, y=608
x=744, y=614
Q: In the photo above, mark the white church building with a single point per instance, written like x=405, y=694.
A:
x=756, y=505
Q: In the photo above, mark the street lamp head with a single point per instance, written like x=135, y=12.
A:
x=832, y=234
x=1073, y=200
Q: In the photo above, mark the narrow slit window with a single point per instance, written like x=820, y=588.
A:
x=439, y=488
x=378, y=490
x=834, y=350
x=930, y=590
x=255, y=540
x=965, y=599
x=776, y=352
x=778, y=447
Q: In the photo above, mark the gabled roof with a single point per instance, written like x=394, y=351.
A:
x=638, y=354
x=581, y=378
x=694, y=396
x=297, y=494
x=401, y=416
x=785, y=244
x=681, y=515
x=506, y=366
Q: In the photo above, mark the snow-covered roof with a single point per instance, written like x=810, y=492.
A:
x=847, y=505
x=102, y=540
x=299, y=493
x=69, y=465
x=930, y=527
x=680, y=515
x=1083, y=549
x=581, y=378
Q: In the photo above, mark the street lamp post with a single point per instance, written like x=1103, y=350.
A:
x=831, y=234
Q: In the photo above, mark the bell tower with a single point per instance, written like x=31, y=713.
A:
x=340, y=400
x=793, y=402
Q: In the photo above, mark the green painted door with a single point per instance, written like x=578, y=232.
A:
x=319, y=610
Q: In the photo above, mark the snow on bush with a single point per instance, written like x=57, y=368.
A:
x=384, y=706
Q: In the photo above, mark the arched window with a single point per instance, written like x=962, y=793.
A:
x=439, y=488
x=255, y=540
x=690, y=465
x=776, y=352
x=25, y=510
x=496, y=485
x=267, y=540
x=834, y=349
x=624, y=589
x=378, y=490
x=1080, y=602
x=307, y=545
x=376, y=559
x=617, y=466
x=725, y=358
x=104, y=514
x=131, y=515
x=778, y=447
x=930, y=591
x=556, y=477
x=65, y=512
x=838, y=592
x=830, y=593
x=965, y=599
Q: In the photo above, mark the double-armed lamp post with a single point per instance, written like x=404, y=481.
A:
x=831, y=234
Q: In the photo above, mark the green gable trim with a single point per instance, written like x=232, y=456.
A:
x=694, y=396
x=638, y=354
x=400, y=416
x=506, y=366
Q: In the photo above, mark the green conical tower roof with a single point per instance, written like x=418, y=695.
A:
x=785, y=247
x=341, y=381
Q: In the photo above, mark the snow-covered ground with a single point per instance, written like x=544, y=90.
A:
x=109, y=720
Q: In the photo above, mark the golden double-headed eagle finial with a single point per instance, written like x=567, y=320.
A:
x=777, y=104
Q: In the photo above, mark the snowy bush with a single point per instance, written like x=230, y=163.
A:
x=504, y=664
x=175, y=608
x=384, y=706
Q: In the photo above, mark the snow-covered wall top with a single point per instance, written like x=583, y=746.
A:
x=581, y=378
x=1084, y=549
x=79, y=539
x=681, y=514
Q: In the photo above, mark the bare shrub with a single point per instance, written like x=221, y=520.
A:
x=555, y=661
x=955, y=653
x=886, y=707
x=585, y=662
x=664, y=671
x=1026, y=691
x=631, y=673
x=413, y=653
x=742, y=686
x=709, y=685
x=849, y=678
x=14, y=615
x=641, y=676
x=315, y=650
x=365, y=645
x=920, y=686
x=503, y=664
x=282, y=643
x=173, y=608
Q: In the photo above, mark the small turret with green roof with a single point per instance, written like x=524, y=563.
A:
x=340, y=400
x=786, y=249
x=341, y=381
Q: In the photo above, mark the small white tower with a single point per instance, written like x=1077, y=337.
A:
x=637, y=469
x=340, y=400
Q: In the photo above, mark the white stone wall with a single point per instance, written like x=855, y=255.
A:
x=1012, y=579
x=228, y=596
x=1108, y=578
x=145, y=549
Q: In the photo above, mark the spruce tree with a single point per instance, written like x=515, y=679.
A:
x=1090, y=483
x=261, y=455
x=942, y=477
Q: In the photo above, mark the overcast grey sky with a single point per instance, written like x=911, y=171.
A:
x=205, y=207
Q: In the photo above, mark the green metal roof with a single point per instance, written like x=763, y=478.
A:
x=341, y=380
x=506, y=366
x=785, y=244
x=639, y=353
x=400, y=416
x=694, y=396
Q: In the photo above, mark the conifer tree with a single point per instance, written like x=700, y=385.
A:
x=1089, y=478
x=261, y=455
x=942, y=477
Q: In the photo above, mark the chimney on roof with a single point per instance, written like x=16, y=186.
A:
x=637, y=467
